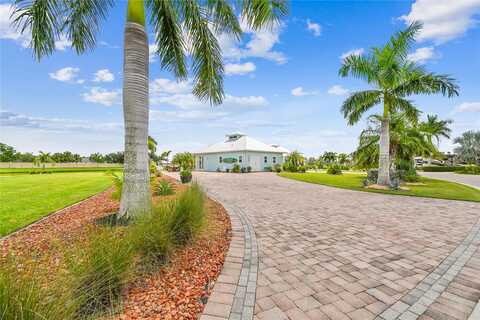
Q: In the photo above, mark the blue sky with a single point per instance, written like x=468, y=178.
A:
x=282, y=85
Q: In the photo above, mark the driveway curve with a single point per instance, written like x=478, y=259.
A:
x=468, y=179
x=328, y=253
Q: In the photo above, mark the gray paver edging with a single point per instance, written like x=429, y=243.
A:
x=234, y=293
x=412, y=305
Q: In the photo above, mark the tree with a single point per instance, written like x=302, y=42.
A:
x=114, y=157
x=66, y=156
x=329, y=157
x=163, y=158
x=97, y=158
x=178, y=26
x=44, y=157
x=469, y=149
x=25, y=157
x=7, y=153
x=343, y=158
x=152, y=147
x=293, y=160
x=407, y=139
x=394, y=78
x=184, y=160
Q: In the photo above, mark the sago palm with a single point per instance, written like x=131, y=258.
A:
x=394, y=78
x=179, y=27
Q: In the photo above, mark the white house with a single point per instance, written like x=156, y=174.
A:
x=239, y=149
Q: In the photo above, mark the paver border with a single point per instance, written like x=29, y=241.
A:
x=413, y=304
x=234, y=293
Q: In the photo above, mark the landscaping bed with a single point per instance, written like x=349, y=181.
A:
x=174, y=290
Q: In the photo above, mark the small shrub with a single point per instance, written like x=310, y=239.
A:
x=188, y=215
x=249, y=169
x=243, y=170
x=218, y=170
x=470, y=169
x=301, y=169
x=164, y=188
x=117, y=184
x=236, y=168
x=100, y=270
x=185, y=176
x=334, y=169
x=152, y=237
x=268, y=169
x=153, y=168
x=277, y=168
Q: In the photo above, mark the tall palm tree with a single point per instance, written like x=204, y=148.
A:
x=178, y=25
x=394, y=79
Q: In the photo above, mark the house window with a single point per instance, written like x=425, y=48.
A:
x=274, y=159
x=220, y=159
x=265, y=159
x=240, y=159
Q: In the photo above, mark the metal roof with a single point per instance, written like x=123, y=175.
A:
x=237, y=142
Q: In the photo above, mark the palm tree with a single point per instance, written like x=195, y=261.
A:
x=179, y=26
x=152, y=147
x=394, y=79
x=407, y=139
x=469, y=149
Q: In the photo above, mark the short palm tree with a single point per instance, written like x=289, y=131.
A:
x=394, y=79
x=179, y=26
x=407, y=139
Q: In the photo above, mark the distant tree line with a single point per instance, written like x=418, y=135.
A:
x=9, y=154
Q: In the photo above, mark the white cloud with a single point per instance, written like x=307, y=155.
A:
x=102, y=96
x=299, y=92
x=167, y=86
x=245, y=101
x=315, y=28
x=103, y=75
x=337, y=90
x=422, y=55
x=260, y=44
x=63, y=43
x=468, y=107
x=354, y=52
x=7, y=31
x=239, y=68
x=185, y=115
x=443, y=20
x=152, y=52
x=67, y=74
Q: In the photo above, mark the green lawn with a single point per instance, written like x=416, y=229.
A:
x=25, y=198
x=59, y=169
x=433, y=188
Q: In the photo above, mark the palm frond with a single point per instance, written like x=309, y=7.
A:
x=427, y=83
x=82, y=21
x=263, y=13
x=164, y=18
x=359, y=67
x=401, y=42
x=411, y=112
x=358, y=103
x=207, y=64
x=224, y=19
x=41, y=19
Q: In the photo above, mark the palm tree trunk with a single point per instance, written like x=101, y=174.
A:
x=136, y=198
x=384, y=158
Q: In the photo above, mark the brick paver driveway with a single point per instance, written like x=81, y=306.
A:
x=327, y=253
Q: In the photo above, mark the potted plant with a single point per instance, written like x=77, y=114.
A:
x=185, y=176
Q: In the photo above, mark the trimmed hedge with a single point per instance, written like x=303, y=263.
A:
x=441, y=169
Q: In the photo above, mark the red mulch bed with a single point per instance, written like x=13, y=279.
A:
x=174, y=292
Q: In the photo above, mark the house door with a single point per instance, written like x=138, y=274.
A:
x=256, y=162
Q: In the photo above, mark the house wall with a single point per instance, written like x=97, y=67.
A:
x=211, y=161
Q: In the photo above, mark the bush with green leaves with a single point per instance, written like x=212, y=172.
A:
x=185, y=176
x=441, y=168
x=334, y=169
x=164, y=188
x=470, y=169
x=268, y=169
x=236, y=168
x=24, y=298
x=100, y=270
x=277, y=168
x=188, y=215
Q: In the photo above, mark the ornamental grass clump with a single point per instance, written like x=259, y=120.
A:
x=23, y=298
x=152, y=236
x=164, y=188
x=100, y=270
x=188, y=215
